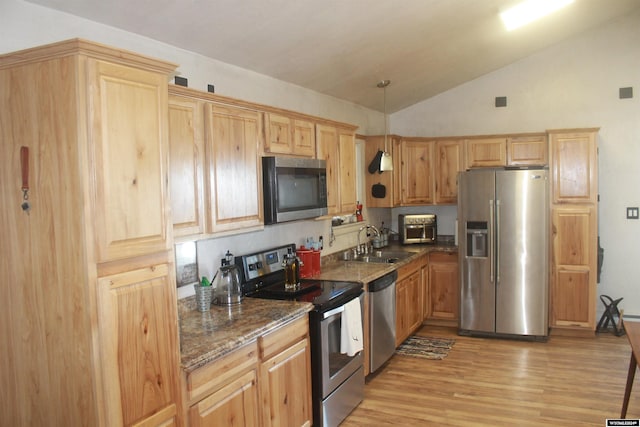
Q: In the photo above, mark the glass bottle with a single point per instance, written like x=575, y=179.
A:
x=291, y=265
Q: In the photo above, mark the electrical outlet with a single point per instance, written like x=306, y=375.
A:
x=632, y=213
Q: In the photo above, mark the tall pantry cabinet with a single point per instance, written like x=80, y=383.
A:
x=574, y=229
x=89, y=322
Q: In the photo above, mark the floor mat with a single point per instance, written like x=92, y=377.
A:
x=426, y=347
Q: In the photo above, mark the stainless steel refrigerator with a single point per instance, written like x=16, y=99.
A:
x=503, y=239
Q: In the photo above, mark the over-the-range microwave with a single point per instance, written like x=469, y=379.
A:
x=293, y=188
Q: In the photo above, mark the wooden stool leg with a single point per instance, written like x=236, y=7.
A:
x=627, y=391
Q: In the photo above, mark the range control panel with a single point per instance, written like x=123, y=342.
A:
x=256, y=265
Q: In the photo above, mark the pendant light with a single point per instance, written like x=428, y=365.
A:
x=386, y=162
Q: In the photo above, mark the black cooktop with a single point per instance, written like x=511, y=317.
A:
x=323, y=294
x=262, y=276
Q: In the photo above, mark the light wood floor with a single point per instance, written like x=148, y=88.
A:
x=499, y=382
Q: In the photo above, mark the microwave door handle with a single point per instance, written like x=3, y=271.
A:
x=333, y=312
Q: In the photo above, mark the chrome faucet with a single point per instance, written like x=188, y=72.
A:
x=367, y=227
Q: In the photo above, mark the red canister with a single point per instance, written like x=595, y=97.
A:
x=306, y=257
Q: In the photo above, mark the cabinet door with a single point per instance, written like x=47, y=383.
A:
x=448, y=164
x=285, y=375
x=279, y=134
x=530, y=150
x=235, y=404
x=401, y=308
x=327, y=139
x=486, y=152
x=347, y=152
x=128, y=131
x=574, y=163
x=574, y=260
x=417, y=172
x=443, y=286
x=232, y=141
x=304, y=138
x=408, y=305
x=186, y=157
x=286, y=387
x=137, y=323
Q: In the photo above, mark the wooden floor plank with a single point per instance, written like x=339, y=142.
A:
x=501, y=382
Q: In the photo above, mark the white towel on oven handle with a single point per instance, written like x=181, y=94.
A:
x=351, y=330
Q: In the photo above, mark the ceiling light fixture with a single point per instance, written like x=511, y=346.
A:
x=386, y=162
x=530, y=10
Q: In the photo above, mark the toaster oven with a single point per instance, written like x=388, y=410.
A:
x=418, y=228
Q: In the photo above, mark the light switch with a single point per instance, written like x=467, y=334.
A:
x=632, y=213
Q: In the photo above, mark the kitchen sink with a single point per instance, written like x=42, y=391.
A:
x=383, y=257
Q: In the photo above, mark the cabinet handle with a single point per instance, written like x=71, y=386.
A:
x=24, y=166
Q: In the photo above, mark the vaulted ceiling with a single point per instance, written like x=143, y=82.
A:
x=343, y=48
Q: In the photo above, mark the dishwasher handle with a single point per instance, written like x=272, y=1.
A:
x=383, y=282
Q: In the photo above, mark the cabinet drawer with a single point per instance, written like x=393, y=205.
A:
x=443, y=257
x=221, y=371
x=276, y=341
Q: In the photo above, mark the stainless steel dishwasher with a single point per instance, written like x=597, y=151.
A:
x=382, y=320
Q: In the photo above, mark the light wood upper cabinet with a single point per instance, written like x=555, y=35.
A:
x=527, y=150
x=304, y=138
x=574, y=165
x=448, y=162
x=291, y=136
x=337, y=147
x=187, y=157
x=233, y=170
x=417, y=172
x=486, y=152
x=347, y=152
x=128, y=110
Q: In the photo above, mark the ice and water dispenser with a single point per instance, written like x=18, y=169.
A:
x=477, y=236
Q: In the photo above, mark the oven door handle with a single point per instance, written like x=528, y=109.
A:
x=333, y=312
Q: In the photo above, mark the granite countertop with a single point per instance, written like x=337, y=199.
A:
x=206, y=336
x=364, y=272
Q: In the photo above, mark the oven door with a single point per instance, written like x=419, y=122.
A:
x=336, y=367
x=414, y=233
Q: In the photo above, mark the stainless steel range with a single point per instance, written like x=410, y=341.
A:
x=337, y=378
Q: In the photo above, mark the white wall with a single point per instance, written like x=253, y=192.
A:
x=573, y=84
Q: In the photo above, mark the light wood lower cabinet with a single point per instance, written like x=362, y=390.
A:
x=285, y=376
x=265, y=383
x=225, y=392
x=409, y=299
x=442, y=289
x=573, y=267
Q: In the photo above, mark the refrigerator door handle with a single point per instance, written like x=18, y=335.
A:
x=491, y=240
x=497, y=233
